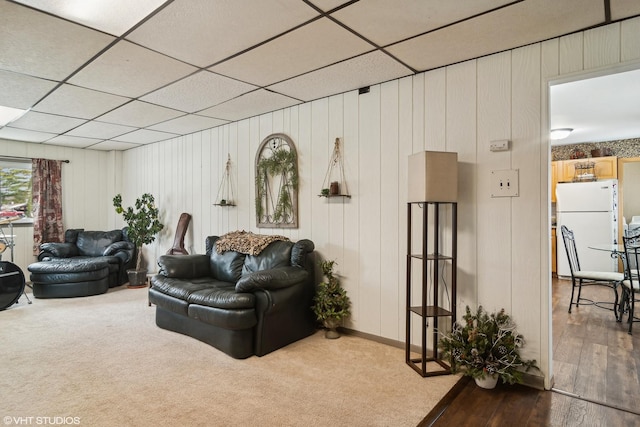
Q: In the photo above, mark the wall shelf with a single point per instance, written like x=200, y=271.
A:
x=225, y=189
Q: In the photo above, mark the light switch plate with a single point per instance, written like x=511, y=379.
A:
x=504, y=183
x=499, y=145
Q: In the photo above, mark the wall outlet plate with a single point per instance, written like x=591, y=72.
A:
x=505, y=183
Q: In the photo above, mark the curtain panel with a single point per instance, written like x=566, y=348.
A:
x=47, y=202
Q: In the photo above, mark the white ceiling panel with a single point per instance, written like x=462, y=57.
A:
x=623, y=8
x=79, y=102
x=40, y=45
x=22, y=91
x=100, y=130
x=24, y=135
x=202, y=32
x=72, y=141
x=516, y=25
x=327, y=5
x=111, y=16
x=144, y=136
x=114, y=146
x=139, y=114
x=312, y=46
x=188, y=124
x=198, y=91
x=145, y=71
x=251, y=104
x=378, y=22
x=362, y=71
x=42, y=122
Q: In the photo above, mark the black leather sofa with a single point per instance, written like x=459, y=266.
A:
x=241, y=304
x=112, y=247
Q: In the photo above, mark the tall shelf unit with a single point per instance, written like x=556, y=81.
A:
x=436, y=305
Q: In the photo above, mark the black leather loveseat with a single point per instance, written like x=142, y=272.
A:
x=240, y=303
x=80, y=246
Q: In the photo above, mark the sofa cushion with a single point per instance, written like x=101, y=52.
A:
x=179, y=288
x=222, y=295
x=94, y=243
x=277, y=254
x=226, y=266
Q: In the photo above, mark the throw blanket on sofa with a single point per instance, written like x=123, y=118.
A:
x=246, y=242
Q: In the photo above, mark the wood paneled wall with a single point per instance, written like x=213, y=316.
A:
x=503, y=242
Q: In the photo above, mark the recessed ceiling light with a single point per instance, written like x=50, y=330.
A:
x=8, y=114
x=560, y=133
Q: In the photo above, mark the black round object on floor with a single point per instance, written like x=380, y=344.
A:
x=11, y=284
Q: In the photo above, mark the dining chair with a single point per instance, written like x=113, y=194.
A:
x=631, y=283
x=580, y=278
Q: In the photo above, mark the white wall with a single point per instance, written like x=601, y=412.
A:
x=88, y=185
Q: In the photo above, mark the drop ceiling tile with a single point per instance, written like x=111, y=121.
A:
x=328, y=5
x=364, y=70
x=378, y=22
x=313, y=46
x=249, y=105
x=114, y=146
x=44, y=46
x=21, y=91
x=198, y=91
x=46, y=122
x=507, y=28
x=139, y=114
x=188, y=124
x=111, y=16
x=24, y=135
x=100, y=130
x=624, y=8
x=144, y=136
x=202, y=32
x=76, y=101
x=130, y=70
x=72, y=141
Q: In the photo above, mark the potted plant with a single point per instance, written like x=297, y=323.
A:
x=331, y=303
x=142, y=226
x=486, y=347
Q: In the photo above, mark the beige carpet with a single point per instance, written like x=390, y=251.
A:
x=103, y=360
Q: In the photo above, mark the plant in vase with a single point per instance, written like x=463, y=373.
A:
x=142, y=226
x=331, y=303
x=486, y=346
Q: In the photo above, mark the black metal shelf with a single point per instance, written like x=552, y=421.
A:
x=430, y=363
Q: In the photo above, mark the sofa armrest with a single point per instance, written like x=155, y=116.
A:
x=122, y=249
x=184, y=266
x=57, y=250
x=275, y=278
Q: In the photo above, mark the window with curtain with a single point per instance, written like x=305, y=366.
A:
x=15, y=191
x=47, y=202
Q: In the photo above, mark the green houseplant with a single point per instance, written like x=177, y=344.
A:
x=485, y=346
x=143, y=224
x=331, y=303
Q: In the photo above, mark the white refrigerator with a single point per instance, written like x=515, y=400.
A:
x=590, y=210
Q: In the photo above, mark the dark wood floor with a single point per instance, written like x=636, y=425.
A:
x=596, y=376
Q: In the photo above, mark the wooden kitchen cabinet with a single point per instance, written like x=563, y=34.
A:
x=603, y=168
x=554, y=180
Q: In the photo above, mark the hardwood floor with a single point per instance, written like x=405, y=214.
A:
x=596, y=376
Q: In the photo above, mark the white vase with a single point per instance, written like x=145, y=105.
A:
x=488, y=382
